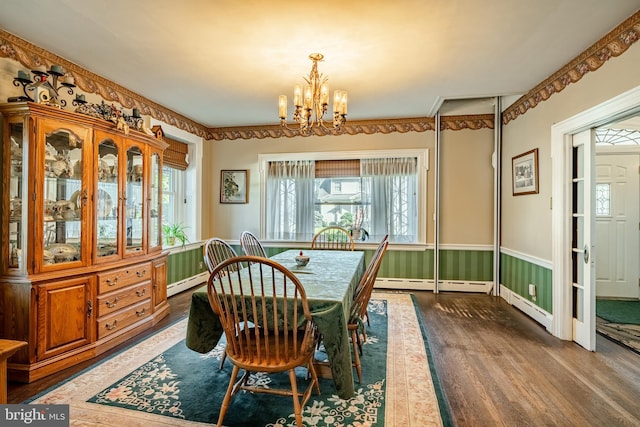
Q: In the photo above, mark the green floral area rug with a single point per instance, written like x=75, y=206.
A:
x=161, y=382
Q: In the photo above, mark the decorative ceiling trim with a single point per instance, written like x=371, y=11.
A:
x=615, y=43
x=473, y=122
x=367, y=127
x=30, y=56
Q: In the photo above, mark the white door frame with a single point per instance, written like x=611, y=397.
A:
x=623, y=105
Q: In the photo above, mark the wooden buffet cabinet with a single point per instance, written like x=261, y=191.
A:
x=82, y=268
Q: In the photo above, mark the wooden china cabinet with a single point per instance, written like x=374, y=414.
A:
x=82, y=268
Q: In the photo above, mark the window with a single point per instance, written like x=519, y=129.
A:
x=172, y=195
x=371, y=193
x=603, y=199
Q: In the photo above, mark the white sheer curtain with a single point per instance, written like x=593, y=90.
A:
x=290, y=200
x=390, y=192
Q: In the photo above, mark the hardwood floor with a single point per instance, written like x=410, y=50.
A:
x=497, y=367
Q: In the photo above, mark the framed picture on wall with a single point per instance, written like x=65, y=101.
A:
x=524, y=173
x=234, y=186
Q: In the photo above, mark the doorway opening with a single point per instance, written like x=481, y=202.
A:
x=564, y=323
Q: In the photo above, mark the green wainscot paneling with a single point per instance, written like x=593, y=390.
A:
x=186, y=263
x=464, y=265
x=405, y=264
x=467, y=265
x=516, y=274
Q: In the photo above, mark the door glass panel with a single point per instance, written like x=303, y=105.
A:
x=107, y=199
x=17, y=188
x=64, y=197
x=154, y=208
x=134, y=200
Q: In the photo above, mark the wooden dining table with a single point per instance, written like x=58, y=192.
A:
x=329, y=279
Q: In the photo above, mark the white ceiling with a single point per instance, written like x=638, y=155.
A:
x=224, y=62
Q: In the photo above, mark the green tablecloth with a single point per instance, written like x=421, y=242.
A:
x=329, y=280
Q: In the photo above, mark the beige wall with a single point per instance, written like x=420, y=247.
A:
x=466, y=187
x=228, y=221
x=526, y=220
x=467, y=179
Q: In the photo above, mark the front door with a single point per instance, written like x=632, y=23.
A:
x=582, y=251
x=617, y=253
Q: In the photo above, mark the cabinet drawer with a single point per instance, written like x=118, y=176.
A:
x=119, y=320
x=115, y=301
x=122, y=277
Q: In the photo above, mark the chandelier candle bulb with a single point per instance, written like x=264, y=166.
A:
x=343, y=103
x=324, y=94
x=297, y=96
x=282, y=106
x=308, y=99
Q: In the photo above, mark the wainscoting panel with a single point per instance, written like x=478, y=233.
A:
x=517, y=274
x=185, y=263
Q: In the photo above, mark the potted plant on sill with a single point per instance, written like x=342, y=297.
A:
x=173, y=233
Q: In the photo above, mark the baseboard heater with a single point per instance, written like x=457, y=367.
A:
x=428, y=285
x=527, y=307
x=188, y=283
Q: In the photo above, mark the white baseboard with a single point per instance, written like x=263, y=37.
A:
x=527, y=307
x=428, y=285
x=188, y=283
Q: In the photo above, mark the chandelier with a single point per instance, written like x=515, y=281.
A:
x=312, y=103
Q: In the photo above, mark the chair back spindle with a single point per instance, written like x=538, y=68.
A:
x=333, y=238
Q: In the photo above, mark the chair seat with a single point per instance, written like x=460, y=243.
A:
x=252, y=356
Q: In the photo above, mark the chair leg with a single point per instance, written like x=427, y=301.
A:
x=297, y=408
x=314, y=375
x=356, y=356
x=224, y=357
x=227, y=396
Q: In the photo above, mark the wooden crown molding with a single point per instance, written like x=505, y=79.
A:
x=367, y=127
x=615, y=43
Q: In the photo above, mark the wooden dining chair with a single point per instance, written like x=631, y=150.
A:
x=361, y=299
x=384, y=239
x=282, y=335
x=215, y=251
x=334, y=238
x=251, y=245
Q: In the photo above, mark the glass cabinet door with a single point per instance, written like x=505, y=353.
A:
x=154, y=201
x=106, y=199
x=16, y=193
x=134, y=200
x=64, y=195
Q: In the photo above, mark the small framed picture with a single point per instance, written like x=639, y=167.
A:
x=234, y=186
x=525, y=173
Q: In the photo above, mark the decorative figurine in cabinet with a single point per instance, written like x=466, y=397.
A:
x=80, y=212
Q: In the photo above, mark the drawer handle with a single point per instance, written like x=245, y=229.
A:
x=141, y=273
x=141, y=292
x=112, y=304
x=112, y=282
x=140, y=313
x=112, y=326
